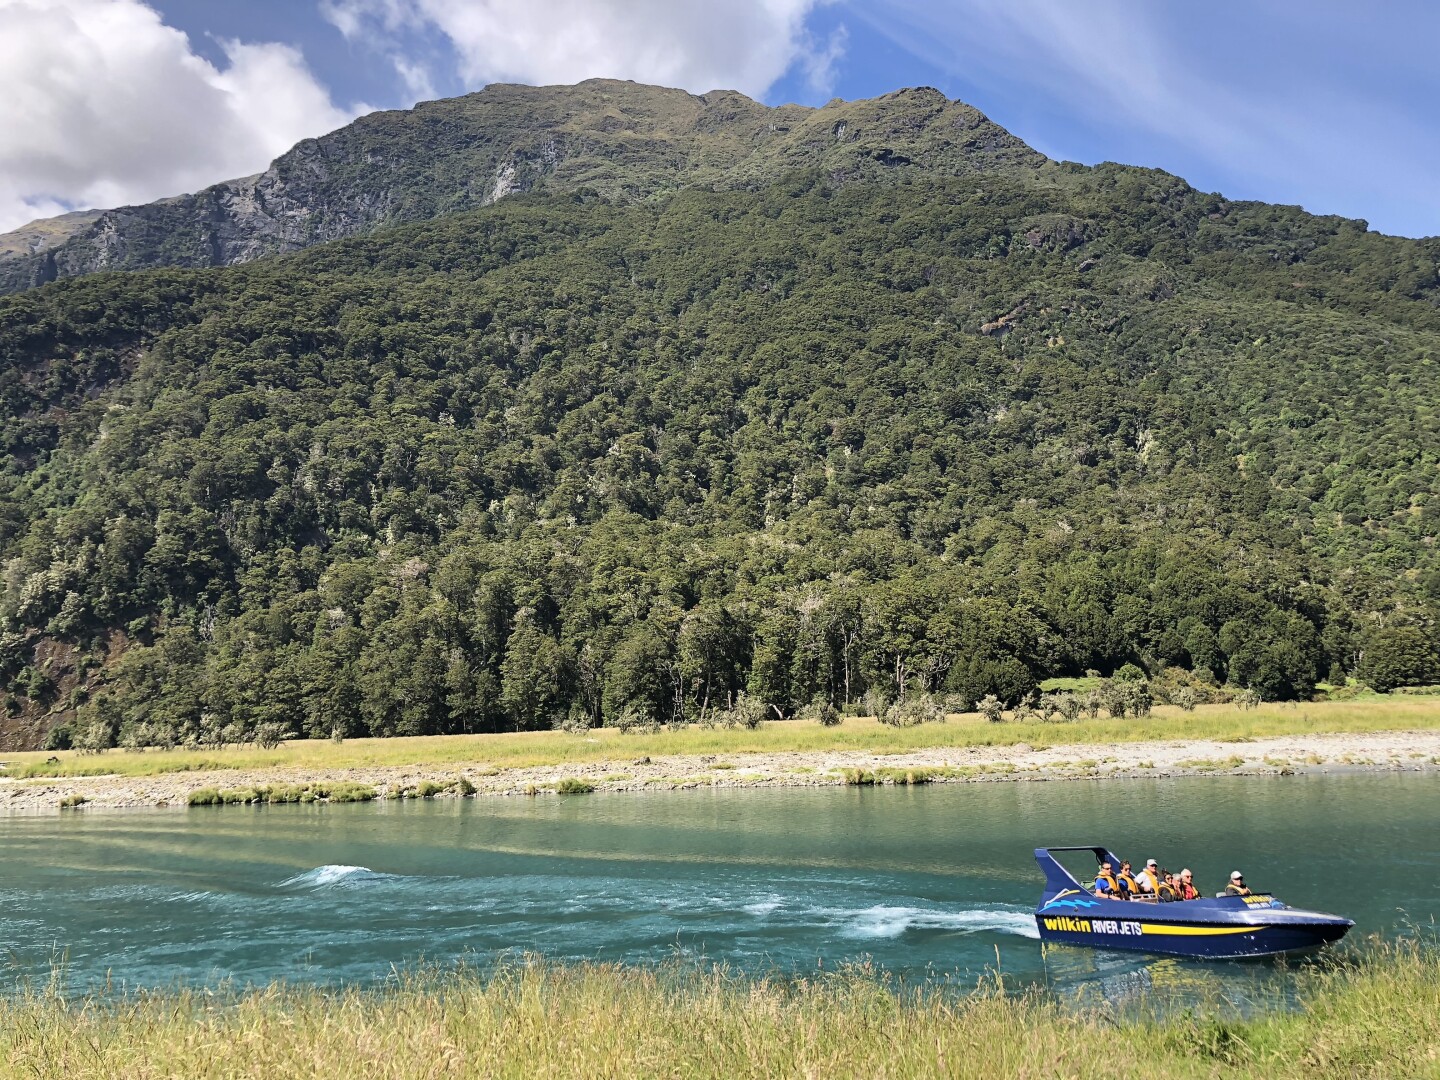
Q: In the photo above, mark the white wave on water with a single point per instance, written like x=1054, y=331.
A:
x=882, y=921
x=763, y=907
x=332, y=874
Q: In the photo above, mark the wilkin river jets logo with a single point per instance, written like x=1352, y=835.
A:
x=1080, y=901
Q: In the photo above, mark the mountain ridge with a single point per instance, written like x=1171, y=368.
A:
x=624, y=140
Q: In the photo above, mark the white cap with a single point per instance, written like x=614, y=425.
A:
x=1151, y=862
x=1235, y=874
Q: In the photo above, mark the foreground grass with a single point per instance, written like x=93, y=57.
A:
x=1380, y=1018
x=524, y=749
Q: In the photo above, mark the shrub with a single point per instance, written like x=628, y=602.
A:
x=637, y=717
x=1115, y=699
x=991, y=709
x=822, y=711
x=205, y=796
x=575, y=722
x=58, y=738
x=957, y=703
x=93, y=734
x=242, y=796
x=1186, y=698
x=1070, y=707
x=747, y=713
x=428, y=789
x=913, y=710
x=858, y=777
x=270, y=734
x=1139, y=698
x=908, y=777
x=75, y=799
x=875, y=701
x=464, y=786
x=345, y=791
x=573, y=785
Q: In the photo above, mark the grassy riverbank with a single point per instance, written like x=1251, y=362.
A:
x=543, y=748
x=1380, y=1017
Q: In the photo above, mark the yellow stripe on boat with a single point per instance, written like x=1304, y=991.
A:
x=1196, y=931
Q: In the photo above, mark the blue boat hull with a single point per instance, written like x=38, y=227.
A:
x=1219, y=928
x=1204, y=940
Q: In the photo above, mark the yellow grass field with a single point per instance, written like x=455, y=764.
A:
x=1378, y=1017
x=541, y=748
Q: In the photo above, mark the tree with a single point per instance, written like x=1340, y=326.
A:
x=1277, y=656
x=638, y=673
x=1004, y=677
x=1397, y=656
x=535, y=676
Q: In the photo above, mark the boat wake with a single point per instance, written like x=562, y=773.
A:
x=885, y=922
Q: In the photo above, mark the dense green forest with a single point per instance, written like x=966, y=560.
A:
x=575, y=459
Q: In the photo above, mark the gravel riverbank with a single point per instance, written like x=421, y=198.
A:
x=1286, y=755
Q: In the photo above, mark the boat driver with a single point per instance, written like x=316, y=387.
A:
x=1237, y=885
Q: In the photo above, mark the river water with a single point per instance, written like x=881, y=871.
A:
x=928, y=883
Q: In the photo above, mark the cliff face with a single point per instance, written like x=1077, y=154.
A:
x=622, y=140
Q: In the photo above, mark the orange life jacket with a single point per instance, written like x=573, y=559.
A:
x=1128, y=883
x=1165, y=891
x=1236, y=890
x=1189, y=892
x=1110, y=880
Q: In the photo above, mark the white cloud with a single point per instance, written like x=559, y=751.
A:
x=102, y=104
x=699, y=45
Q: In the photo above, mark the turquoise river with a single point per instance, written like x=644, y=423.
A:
x=929, y=883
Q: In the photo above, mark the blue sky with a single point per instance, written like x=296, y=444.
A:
x=1325, y=104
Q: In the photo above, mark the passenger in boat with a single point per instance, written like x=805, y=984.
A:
x=1148, y=880
x=1237, y=885
x=1187, y=886
x=1128, y=886
x=1105, y=883
x=1167, y=890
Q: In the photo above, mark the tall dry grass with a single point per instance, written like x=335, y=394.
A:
x=523, y=749
x=1380, y=1018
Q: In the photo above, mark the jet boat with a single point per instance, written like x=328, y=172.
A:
x=1218, y=928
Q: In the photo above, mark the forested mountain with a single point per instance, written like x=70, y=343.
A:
x=584, y=454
